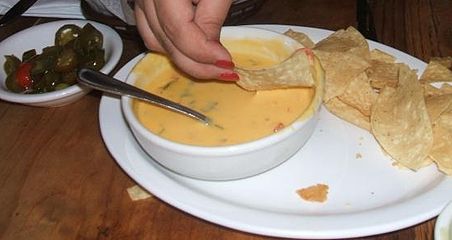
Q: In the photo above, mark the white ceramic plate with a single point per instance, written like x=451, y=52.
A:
x=443, y=226
x=367, y=194
x=41, y=36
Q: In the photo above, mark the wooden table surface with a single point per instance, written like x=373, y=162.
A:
x=58, y=181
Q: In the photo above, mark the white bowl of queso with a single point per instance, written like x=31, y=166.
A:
x=250, y=132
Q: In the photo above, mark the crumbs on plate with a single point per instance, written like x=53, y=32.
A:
x=314, y=193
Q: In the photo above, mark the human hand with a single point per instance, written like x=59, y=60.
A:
x=188, y=31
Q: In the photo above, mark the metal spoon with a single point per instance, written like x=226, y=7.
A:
x=103, y=82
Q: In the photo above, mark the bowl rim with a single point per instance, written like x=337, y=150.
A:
x=115, y=55
x=233, y=149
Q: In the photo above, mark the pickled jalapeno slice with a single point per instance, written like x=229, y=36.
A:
x=66, y=34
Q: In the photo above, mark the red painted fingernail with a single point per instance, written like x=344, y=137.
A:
x=225, y=64
x=229, y=76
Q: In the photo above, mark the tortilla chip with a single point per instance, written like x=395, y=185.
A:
x=359, y=94
x=441, y=152
x=137, y=193
x=411, y=119
x=300, y=37
x=382, y=74
x=348, y=113
x=438, y=70
x=440, y=112
x=344, y=54
x=437, y=105
x=296, y=71
x=340, y=70
x=445, y=61
x=430, y=90
x=345, y=41
x=378, y=55
x=400, y=121
x=314, y=193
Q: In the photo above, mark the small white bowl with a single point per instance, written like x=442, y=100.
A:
x=443, y=225
x=234, y=161
x=41, y=36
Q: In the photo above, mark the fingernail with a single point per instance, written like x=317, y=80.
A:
x=225, y=64
x=229, y=76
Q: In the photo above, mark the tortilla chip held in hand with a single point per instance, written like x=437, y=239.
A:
x=296, y=71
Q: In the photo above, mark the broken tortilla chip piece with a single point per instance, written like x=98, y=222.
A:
x=345, y=41
x=137, y=193
x=382, y=74
x=438, y=104
x=441, y=152
x=300, y=37
x=340, y=69
x=440, y=111
x=445, y=61
x=348, y=113
x=438, y=70
x=296, y=71
x=430, y=90
x=378, y=55
x=400, y=121
x=343, y=54
x=314, y=193
x=359, y=94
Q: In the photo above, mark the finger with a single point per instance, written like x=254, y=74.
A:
x=186, y=35
x=210, y=16
x=145, y=31
x=150, y=11
x=203, y=70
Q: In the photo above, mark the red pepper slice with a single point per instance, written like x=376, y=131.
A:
x=23, y=76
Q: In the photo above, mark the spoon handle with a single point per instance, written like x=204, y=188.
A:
x=103, y=82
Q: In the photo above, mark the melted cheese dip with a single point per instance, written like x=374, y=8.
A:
x=238, y=115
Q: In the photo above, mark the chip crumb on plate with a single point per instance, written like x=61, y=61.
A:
x=137, y=193
x=314, y=193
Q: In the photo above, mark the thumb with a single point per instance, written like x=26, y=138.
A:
x=210, y=16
